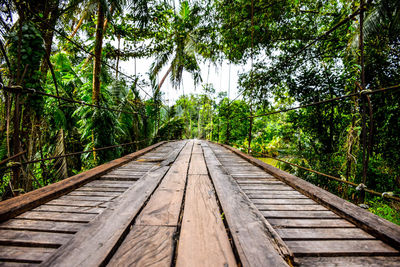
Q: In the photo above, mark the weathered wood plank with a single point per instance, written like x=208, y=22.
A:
x=341, y=248
x=157, y=241
x=203, y=239
x=284, y=201
x=373, y=224
x=118, y=178
x=200, y=167
x=122, y=185
x=24, y=254
x=86, y=198
x=255, y=240
x=31, y=238
x=94, y=193
x=15, y=206
x=57, y=216
x=349, y=261
x=102, y=234
x=160, y=214
x=70, y=209
x=75, y=203
x=271, y=187
x=309, y=223
x=275, y=196
x=276, y=193
x=100, y=189
x=317, y=214
x=290, y=207
x=165, y=204
x=44, y=226
x=323, y=233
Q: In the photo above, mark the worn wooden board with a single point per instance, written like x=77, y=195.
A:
x=275, y=196
x=338, y=248
x=102, y=234
x=94, y=193
x=309, y=223
x=272, y=187
x=276, y=193
x=284, y=201
x=165, y=204
x=156, y=241
x=86, y=198
x=15, y=206
x=300, y=214
x=44, y=226
x=33, y=238
x=100, y=189
x=75, y=203
x=24, y=254
x=57, y=216
x=375, y=225
x=69, y=209
x=349, y=261
x=256, y=242
x=203, y=239
x=121, y=185
x=323, y=233
x=290, y=207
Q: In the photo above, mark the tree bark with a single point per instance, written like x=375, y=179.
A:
x=97, y=55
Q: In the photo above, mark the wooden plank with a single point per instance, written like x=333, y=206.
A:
x=17, y=205
x=373, y=224
x=276, y=193
x=323, y=233
x=44, y=226
x=165, y=205
x=203, y=239
x=349, y=261
x=24, y=254
x=86, y=198
x=118, y=178
x=317, y=214
x=157, y=241
x=75, y=203
x=200, y=167
x=271, y=187
x=258, y=181
x=339, y=248
x=102, y=234
x=57, y=216
x=275, y=196
x=290, y=207
x=100, y=189
x=73, y=209
x=285, y=201
x=94, y=193
x=122, y=185
x=31, y=238
x=255, y=240
x=307, y=223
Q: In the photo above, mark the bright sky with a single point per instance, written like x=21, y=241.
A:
x=218, y=77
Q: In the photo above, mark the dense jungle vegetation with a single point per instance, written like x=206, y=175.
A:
x=71, y=49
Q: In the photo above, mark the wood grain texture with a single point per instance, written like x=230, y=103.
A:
x=255, y=240
x=156, y=241
x=31, y=238
x=378, y=227
x=44, y=226
x=341, y=248
x=161, y=214
x=323, y=233
x=165, y=204
x=57, y=216
x=15, y=206
x=300, y=214
x=24, y=254
x=73, y=209
x=349, y=261
x=309, y=223
x=101, y=235
x=203, y=239
x=290, y=207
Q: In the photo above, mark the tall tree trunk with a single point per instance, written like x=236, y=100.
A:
x=97, y=55
x=80, y=22
x=119, y=43
x=163, y=78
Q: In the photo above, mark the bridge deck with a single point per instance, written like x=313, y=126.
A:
x=190, y=203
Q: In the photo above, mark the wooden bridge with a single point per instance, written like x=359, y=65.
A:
x=191, y=203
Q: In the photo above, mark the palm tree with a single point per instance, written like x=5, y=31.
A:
x=180, y=46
